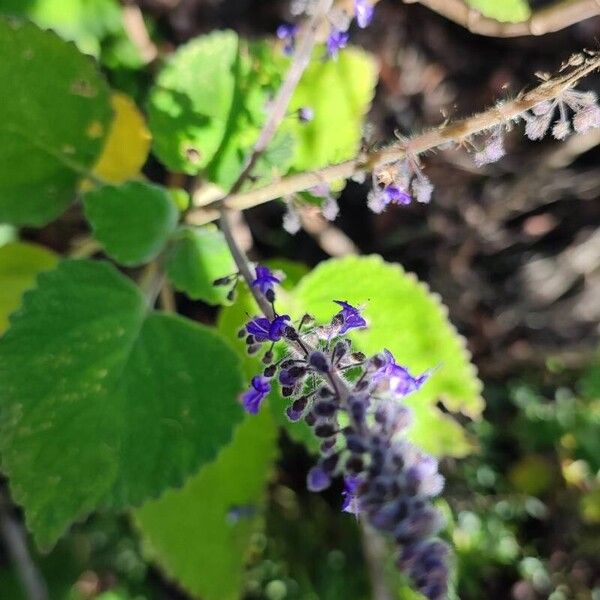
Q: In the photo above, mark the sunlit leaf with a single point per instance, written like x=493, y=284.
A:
x=512, y=11
x=200, y=535
x=405, y=317
x=20, y=263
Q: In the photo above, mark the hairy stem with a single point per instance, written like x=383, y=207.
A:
x=453, y=132
x=278, y=108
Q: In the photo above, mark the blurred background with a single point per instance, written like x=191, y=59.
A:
x=512, y=248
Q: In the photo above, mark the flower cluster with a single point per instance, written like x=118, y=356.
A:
x=339, y=23
x=399, y=183
x=354, y=405
x=585, y=109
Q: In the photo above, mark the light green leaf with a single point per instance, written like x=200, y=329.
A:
x=200, y=535
x=412, y=323
x=103, y=403
x=54, y=116
x=20, y=263
x=340, y=93
x=132, y=221
x=85, y=22
x=511, y=11
x=198, y=257
x=190, y=103
x=208, y=104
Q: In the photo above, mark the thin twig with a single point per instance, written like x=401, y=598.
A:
x=15, y=541
x=544, y=20
x=455, y=132
x=279, y=106
x=374, y=551
x=135, y=27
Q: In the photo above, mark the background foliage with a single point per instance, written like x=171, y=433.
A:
x=121, y=441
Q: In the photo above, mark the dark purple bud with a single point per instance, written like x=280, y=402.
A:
x=287, y=391
x=325, y=392
x=355, y=465
x=319, y=361
x=324, y=430
x=325, y=408
x=330, y=463
x=310, y=419
x=270, y=371
x=317, y=480
x=268, y=357
x=222, y=280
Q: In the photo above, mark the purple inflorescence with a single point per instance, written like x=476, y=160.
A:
x=583, y=105
x=354, y=406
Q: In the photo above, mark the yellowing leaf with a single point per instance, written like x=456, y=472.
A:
x=127, y=145
x=20, y=263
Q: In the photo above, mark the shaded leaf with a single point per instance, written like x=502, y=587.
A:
x=198, y=257
x=200, y=535
x=132, y=221
x=103, y=403
x=54, y=116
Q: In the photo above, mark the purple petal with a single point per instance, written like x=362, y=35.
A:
x=317, y=480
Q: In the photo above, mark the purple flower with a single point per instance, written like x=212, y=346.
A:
x=363, y=10
x=262, y=329
x=336, y=40
x=399, y=379
x=259, y=389
x=351, y=317
x=264, y=279
x=317, y=480
x=395, y=195
x=350, y=504
x=287, y=32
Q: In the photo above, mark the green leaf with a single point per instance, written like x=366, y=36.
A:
x=190, y=103
x=20, y=263
x=335, y=132
x=198, y=257
x=207, y=107
x=54, y=115
x=103, y=403
x=511, y=11
x=85, y=22
x=200, y=535
x=412, y=323
x=132, y=221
